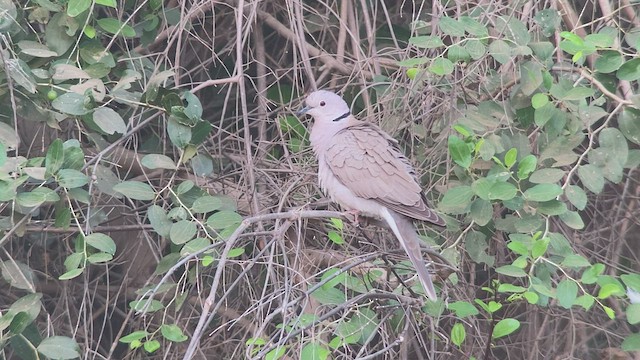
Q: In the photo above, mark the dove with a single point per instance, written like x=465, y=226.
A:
x=361, y=168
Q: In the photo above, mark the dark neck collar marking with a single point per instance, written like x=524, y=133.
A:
x=342, y=116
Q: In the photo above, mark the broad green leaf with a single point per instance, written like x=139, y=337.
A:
x=180, y=135
x=59, y=347
x=509, y=288
x=456, y=200
x=194, y=246
x=109, y=121
x=633, y=314
x=71, y=274
x=539, y=248
x=547, y=176
x=631, y=343
x=543, y=192
x=34, y=48
x=505, y=327
x=511, y=270
x=572, y=219
x=590, y=275
x=566, y=293
x=526, y=166
x=539, y=100
x=577, y=93
x=182, y=231
x=473, y=26
x=608, y=61
x=500, y=50
x=135, y=190
x=575, y=261
x=458, y=334
x=159, y=220
x=530, y=77
x=502, y=191
x=101, y=242
x=576, y=196
x=109, y=3
x=586, y=301
x=70, y=103
x=77, y=7
x=136, y=335
x=207, y=204
x=70, y=178
x=99, y=258
x=630, y=70
x=224, y=219
x=172, y=333
x=441, y=66
x=158, y=161
x=463, y=309
x=426, y=42
x=543, y=114
x=481, y=211
x=457, y=53
x=591, y=177
x=37, y=197
x=18, y=275
x=475, y=48
x=549, y=21
x=450, y=26
x=629, y=122
x=610, y=289
x=329, y=296
x=510, y=157
x=114, y=26
x=314, y=351
x=460, y=152
x=632, y=281
x=55, y=157
x=202, y=165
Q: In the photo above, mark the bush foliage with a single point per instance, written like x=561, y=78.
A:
x=159, y=198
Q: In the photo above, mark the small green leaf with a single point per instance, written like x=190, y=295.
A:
x=182, y=231
x=526, y=166
x=70, y=178
x=109, y=121
x=458, y=334
x=505, y=327
x=608, y=61
x=101, y=242
x=426, y=42
x=456, y=199
x=511, y=270
x=510, y=157
x=576, y=196
x=539, y=100
x=207, y=204
x=610, y=289
x=543, y=192
x=314, y=351
x=136, y=335
x=77, y=7
x=224, y=219
x=463, y=309
x=630, y=70
x=71, y=274
x=590, y=275
x=500, y=50
x=70, y=103
x=591, y=177
x=460, y=152
x=152, y=346
x=577, y=93
x=575, y=261
x=572, y=219
x=566, y=293
x=631, y=343
x=158, y=161
x=172, y=333
x=135, y=190
x=115, y=27
x=450, y=26
x=633, y=314
x=441, y=66
x=55, y=157
x=502, y=191
x=59, y=348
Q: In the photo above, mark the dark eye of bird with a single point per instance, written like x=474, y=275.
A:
x=322, y=103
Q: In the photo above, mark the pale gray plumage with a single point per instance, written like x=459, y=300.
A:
x=360, y=168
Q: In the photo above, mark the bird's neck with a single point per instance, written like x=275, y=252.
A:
x=323, y=130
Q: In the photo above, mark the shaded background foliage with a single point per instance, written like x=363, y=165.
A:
x=159, y=197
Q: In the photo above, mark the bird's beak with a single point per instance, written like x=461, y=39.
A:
x=303, y=111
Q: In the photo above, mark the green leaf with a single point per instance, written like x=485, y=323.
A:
x=71, y=274
x=115, y=27
x=460, y=152
x=543, y=192
x=629, y=122
x=135, y=190
x=314, y=351
x=101, y=242
x=502, y=191
x=463, y=309
x=70, y=178
x=457, y=53
x=539, y=100
x=631, y=280
x=610, y=289
x=36, y=197
x=608, y=61
x=576, y=196
x=481, y=211
x=180, y=135
x=158, y=161
x=508, y=288
x=55, y=157
x=572, y=219
x=136, y=335
x=152, y=345
x=633, y=314
x=426, y=42
x=547, y=176
x=590, y=275
x=458, y=334
x=109, y=3
x=70, y=103
x=511, y=270
x=591, y=177
x=18, y=275
x=575, y=261
x=450, y=26
x=526, y=166
x=456, y=199
x=473, y=26
x=505, y=327
x=475, y=48
x=539, y=248
x=329, y=296
x=59, y=348
x=530, y=77
x=77, y=7
x=109, y=121
x=566, y=293
x=182, y=231
x=549, y=20
x=207, y=204
x=631, y=343
x=510, y=157
x=578, y=93
x=441, y=66
x=629, y=71
x=224, y=219
x=500, y=50
x=172, y=333
x=159, y=220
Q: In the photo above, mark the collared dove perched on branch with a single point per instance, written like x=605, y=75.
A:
x=360, y=168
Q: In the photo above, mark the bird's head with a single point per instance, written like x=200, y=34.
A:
x=325, y=106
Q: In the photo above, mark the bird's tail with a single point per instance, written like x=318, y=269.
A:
x=404, y=230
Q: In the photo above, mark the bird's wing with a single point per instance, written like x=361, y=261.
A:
x=367, y=162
